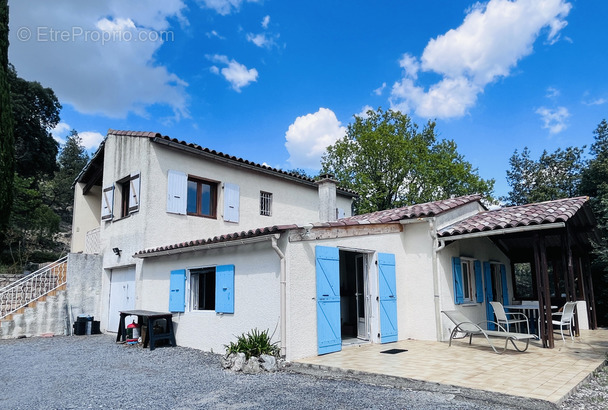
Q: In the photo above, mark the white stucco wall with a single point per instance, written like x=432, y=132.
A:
x=413, y=276
x=481, y=249
x=87, y=215
x=256, y=295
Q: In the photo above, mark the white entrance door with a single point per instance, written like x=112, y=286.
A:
x=122, y=294
x=363, y=298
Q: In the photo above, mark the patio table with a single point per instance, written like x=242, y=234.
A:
x=531, y=311
x=146, y=317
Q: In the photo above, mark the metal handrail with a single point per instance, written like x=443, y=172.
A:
x=32, y=287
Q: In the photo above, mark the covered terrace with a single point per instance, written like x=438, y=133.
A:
x=549, y=245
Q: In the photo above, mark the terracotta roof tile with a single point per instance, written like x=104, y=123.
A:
x=524, y=215
x=411, y=211
x=219, y=154
x=221, y=238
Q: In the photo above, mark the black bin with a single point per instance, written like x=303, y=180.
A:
x=83, y=325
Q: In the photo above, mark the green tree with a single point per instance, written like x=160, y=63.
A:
x=389, y=163
x=595, y=184
x=553, y=176
x=7, y=164
x=32, y=226
x=35, y=114
x=59, y=192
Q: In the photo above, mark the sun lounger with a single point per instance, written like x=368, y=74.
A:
x=464, y=327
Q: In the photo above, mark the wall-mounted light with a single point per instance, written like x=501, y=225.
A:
x=116, y=251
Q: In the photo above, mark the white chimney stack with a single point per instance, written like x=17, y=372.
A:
x=327, y=198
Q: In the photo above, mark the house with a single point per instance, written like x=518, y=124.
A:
x=311, y=273
x=142, y=189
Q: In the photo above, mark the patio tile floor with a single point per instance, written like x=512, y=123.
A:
x=546, y=374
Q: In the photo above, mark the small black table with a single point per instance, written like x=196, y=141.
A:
x=147, y=317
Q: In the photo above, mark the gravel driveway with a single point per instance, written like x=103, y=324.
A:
x=94, y=372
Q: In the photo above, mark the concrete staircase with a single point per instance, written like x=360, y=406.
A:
x=36, y=305
x=45, y=316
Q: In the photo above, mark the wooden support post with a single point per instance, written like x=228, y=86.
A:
x=544, y=293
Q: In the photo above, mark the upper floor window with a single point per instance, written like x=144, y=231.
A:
x=265, y=203
x=128, y=191
x=202, y=197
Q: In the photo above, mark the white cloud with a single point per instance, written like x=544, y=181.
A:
x=237, y=74
x=60, y=131
x=259, y=40
x=309, y=136
x=90, y=139
x=554, y=119
x=214, y=33
x=263, y=40
x=224, y=7
x=493, y=37
x=364, y=110
x=265, y=22
x=96, y=65
x=597, y=101
x=380, y=90
x=552, y=92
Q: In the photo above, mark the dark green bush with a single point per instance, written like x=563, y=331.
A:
x=254, y=343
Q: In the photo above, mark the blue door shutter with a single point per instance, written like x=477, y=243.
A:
x=457, y=275
x=478, y=282
x=387, y=290
x=505, y=287
x=177, y=293
x=328, y=299
x=224, y=289
x=487, y=275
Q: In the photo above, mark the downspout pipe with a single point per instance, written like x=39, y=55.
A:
x=283, y=292
x=438, y=245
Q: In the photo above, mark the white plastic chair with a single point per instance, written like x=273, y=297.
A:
x=502, y=317
x=566, y=318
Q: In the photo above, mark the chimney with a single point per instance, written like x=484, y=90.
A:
x=327, y=197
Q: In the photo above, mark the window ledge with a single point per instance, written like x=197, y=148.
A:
x=470, y=304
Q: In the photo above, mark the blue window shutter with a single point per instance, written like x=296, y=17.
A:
x=177, y=192
x=487, y=275
x=224, y=289
x=328, y=299
x=457, y=275
x=387, y=290
x=478, y=282
x=231, y=202
x=505, y=287
x=177, y=293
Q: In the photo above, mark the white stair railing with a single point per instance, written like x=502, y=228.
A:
x=32, y=287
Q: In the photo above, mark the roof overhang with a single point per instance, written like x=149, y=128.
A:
x=204, y=247
x=244, y=164
x=505, y=231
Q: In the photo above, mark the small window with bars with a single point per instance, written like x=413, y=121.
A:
x=265, y=203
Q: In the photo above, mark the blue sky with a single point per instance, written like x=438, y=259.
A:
x=275, y=82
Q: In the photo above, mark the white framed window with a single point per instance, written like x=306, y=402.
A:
x=265, y=203
x=202, y=289
x=468, y=280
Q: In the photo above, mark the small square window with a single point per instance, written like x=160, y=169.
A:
x=265, y=203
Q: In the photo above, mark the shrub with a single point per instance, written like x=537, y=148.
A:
x=254, y=343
